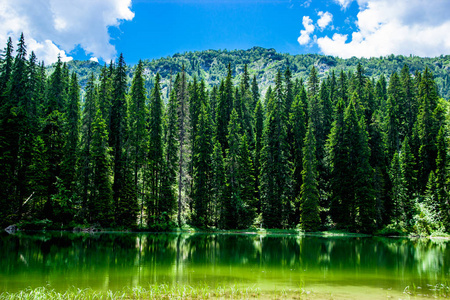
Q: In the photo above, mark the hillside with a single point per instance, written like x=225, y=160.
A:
x=211, y=65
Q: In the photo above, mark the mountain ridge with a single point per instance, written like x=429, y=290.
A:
x=211, y=66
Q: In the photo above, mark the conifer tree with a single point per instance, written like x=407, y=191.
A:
x=71, y=158
x=298, y=132
x=89, y=111
x=100, y=203
x=409, y=171
x=246, y=183
x=398, y=190
x=6, y=69
x=14, y=129
x=259, y=127
x=125, y=204
x=224, y=108
x=442, y=178
x=427, y=128
x=183, y=124
x=217, y=185
x=276, y=169
x=105, y=91
x=309, y=190
x=395, y=106
x=155, y=154
x=201, y=161
x=255, y=93
x=53, y=132
x=137, y=116
x=410, y=100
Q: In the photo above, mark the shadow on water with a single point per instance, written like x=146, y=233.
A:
x=117, y=260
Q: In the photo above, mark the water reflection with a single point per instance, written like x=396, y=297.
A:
x=112, y=261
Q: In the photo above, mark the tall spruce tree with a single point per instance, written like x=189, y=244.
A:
x=137, y=117
x=202, y=167
x=89, y=110
x=276, y=169
x=100, y=203
x=155, y=154
x=70, y=163
x=124, y=197
x=53, y=133
x=309, y=193
x=183, y=134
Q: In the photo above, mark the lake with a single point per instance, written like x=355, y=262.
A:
x=340, y=267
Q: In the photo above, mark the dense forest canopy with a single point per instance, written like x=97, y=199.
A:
x=211, y=66
x=226, y=140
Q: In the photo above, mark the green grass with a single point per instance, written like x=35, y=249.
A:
x=162, y=291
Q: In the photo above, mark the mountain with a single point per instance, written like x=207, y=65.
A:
x=211, y=65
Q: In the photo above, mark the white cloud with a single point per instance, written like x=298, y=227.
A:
x=325, y=19
x=304, y=37
x=343, y=3
x=95, y=59
x=55, y=27
x=394, y=27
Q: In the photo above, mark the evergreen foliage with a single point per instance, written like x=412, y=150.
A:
x=356, y=148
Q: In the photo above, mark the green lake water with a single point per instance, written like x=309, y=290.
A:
x=347, y=267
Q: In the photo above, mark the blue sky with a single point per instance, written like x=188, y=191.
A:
x=162, y=28
x=147, y=29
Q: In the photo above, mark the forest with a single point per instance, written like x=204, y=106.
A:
x=329, y=150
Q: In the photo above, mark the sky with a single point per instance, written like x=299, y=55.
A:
x=149, y=29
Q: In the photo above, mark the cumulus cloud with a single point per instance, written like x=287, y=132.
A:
x=394, y=27
x=305, y=37
x=56, y=27
x=325, y=19
x=343, y=3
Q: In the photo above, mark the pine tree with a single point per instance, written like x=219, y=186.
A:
x=364, y=194
x=233, y=205
x=53, y=133
x=100, y=203
x=125, y=204
x=15, y=131
x=224, y=108
x=410, y=100
x=5, y=70
x=408, y=164
x=398, y=192
x=276, y=169
x=259, y=127
x=89, y=111
x=255, y=93
x=338, y=156
x=442, y=178
x=427, y=128
x=183, y=125
x=137, y=117
x=313, y=83
x=298, y=133
x=155, y=154
x=395, y=104
x=171, y=143
x=105, y=91
x=201, y=161
x=246, y=183
x=217, y=185
x=309, y=193
x=69, y=168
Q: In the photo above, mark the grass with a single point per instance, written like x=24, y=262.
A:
x=203, y=291
x=161, y=291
